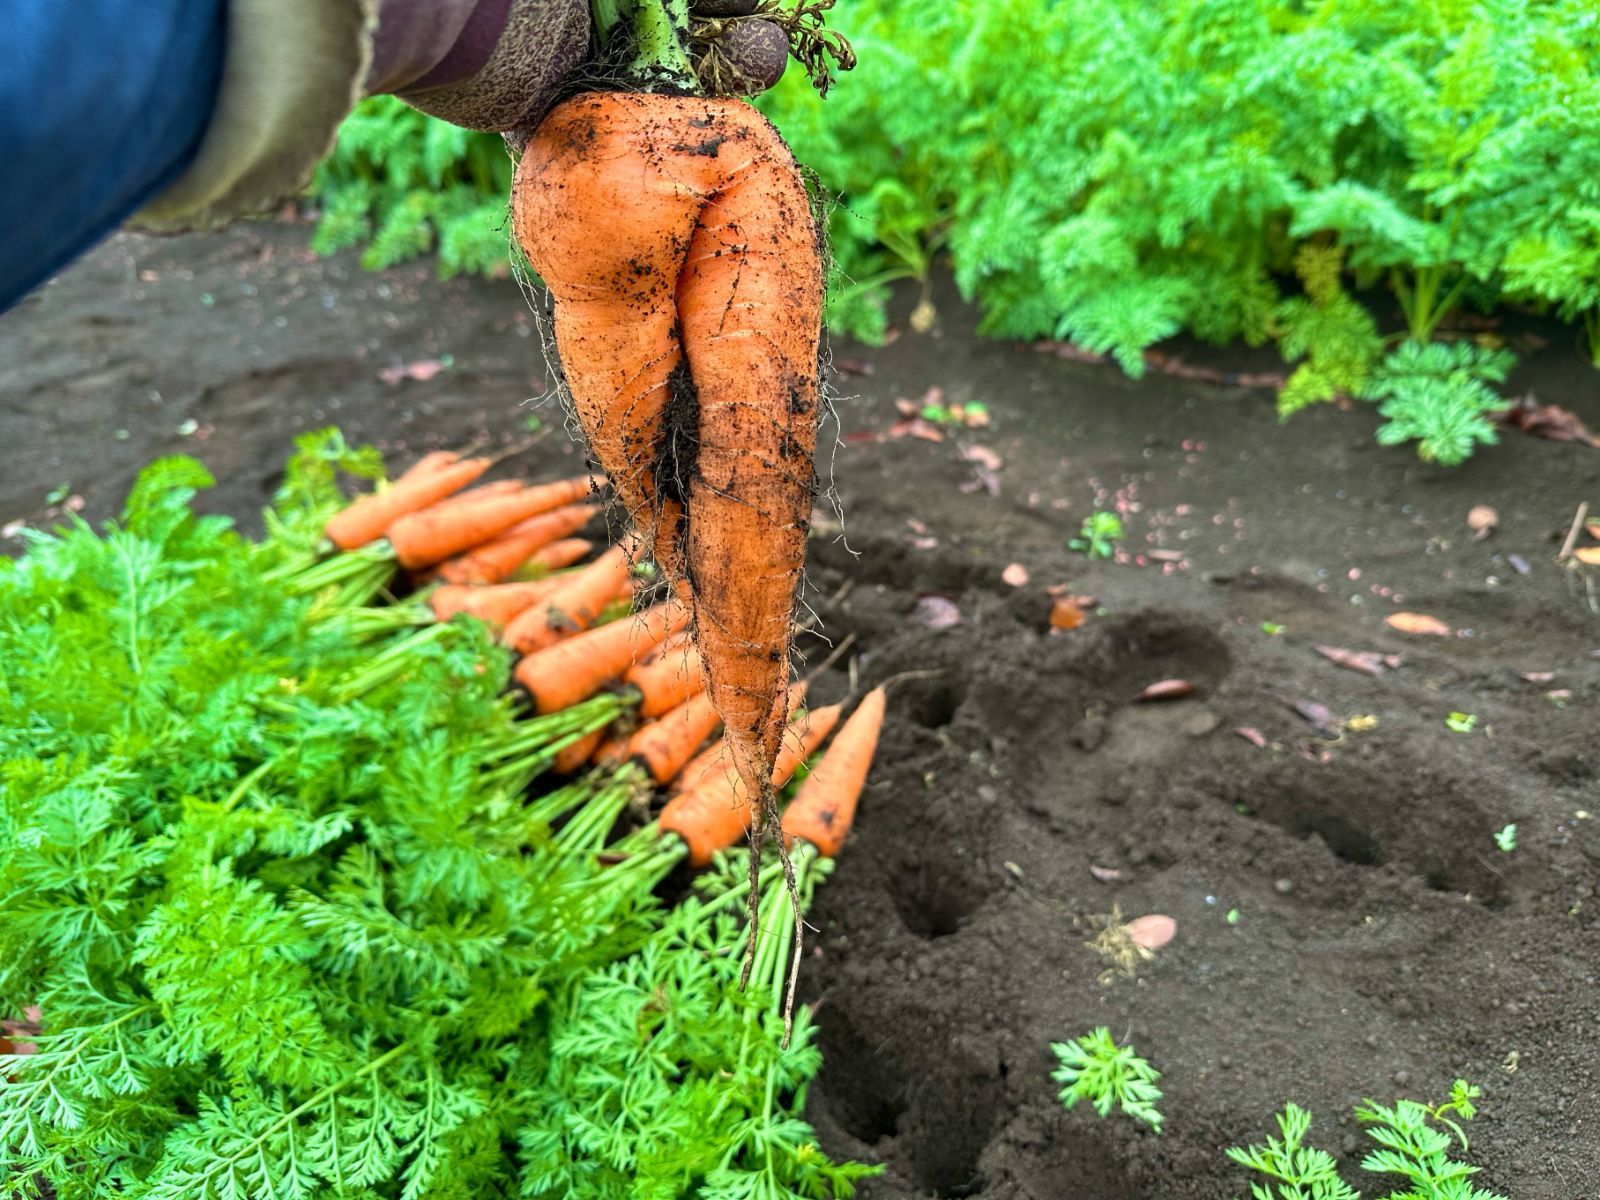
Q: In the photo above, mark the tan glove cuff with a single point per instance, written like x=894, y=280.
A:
x=292, y=71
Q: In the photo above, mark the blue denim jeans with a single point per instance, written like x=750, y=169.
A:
x=102, y=103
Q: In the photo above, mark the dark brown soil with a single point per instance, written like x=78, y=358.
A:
x=1382, y=945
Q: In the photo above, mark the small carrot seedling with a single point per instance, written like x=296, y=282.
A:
x=1096, y=1069
x=1099, y=534
x=1506, y=838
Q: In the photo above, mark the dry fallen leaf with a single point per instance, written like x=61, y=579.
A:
x=1165, y=689
x=1151, y=932
x=847, y=366
x=1016, y=575
x=1252, y=735
x=981, y=455
x=1482, y=520
x=1367, y=662
x=421, y=370
x=1588, y=554
x=916, y=427
x=1317, y=713
x=1421, y=623
x=1105, y=874
x=1065, y=613
x=937, y=612
x=1165, y=555
x=1538, y=676
x=1548, y=421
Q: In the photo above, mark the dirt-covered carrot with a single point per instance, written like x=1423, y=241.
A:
x=424, y=538
x=667, y=680
x=493, y=605
x=369, y=518
x=714, y=760
x=716, y=811
x=823, y=809
x=688, y=324
x=573, y=606
x=538, y=542
x=577, y=668
x=667, y=744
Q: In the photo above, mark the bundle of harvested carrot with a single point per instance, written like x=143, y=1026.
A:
x=688, y=322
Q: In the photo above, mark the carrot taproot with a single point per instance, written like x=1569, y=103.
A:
x=577, y=668
x=493, y=604
x=422, y=539
x=667, y=680
x=529, y=543
x=666, y=745
x=434, y=460
x=825, y=806
x=574, y=606
x=718, y=811
x=713, y=761
x=688, y=325
x=574, y=756
x=367, y=519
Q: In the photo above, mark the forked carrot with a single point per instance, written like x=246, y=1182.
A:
x=571, y=759
x=666, y=745
x=824, y=808
x=717, y=811
x=424, y=538
x=667, y=680
x=573, y=606
x=577, y=668
x=367, y=519
x=530, y=543
x=688, y=324
x=494, y=605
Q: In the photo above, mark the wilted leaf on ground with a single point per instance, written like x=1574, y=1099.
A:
x=1420, y=623
x=1538, y=676
x=1015, y=575
x=1482, y=520
x=422, y=370
x=1152, y=932
x=1105, y=874
x=1065, y=613
x=1548, y=421
x=937, y=612
x=1165, y=689
x=1317, y=713
x=1252, y=735
x=1367, y=662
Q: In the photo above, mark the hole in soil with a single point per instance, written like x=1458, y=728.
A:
x=864, y=1093
x=933, y=706
x=952, y=1124
x=933, y=905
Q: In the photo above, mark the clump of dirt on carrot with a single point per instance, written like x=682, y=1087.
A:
x=688, y=324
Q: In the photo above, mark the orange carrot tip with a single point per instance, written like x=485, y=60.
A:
x=530, y=545
x=367, y=519
x=422, y=539
x=825, y=807
x=579, y=666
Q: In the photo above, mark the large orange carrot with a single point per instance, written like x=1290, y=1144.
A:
x=688, y=323
x=666, y=745
x=424, y=538
x=368, y=519
x=577, y=668
x=712, y=815
x=714, y=760
x=572, y=607
x=493, y=605
x=825, y=806
x=530, y=543
x=667, y=680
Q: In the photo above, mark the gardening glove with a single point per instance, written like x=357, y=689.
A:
x=293, y=69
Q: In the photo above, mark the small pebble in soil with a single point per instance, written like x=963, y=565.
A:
x=1283, y=886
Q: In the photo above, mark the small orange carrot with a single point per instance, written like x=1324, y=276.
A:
x=573, y=607
x=664, y=746
x=577, y=668
x=424, y=538
x=716, y=812
x=433, y=461
x=368, y=519
x=493, y=605
x=825, y=806
x=524, y=544
x=571, y=759
x=667, y=680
